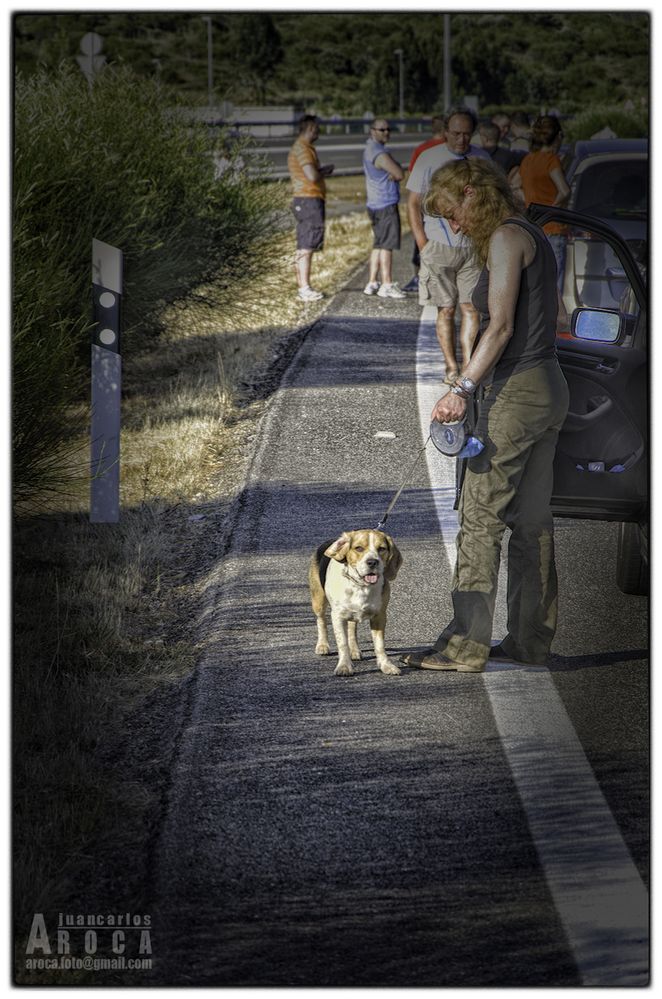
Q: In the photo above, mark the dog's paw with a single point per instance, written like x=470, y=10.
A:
x=343, y=669
x=322, y=649
x=390, y=668
x=356, y=654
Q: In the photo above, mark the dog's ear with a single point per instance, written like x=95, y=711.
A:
x=338, y=550
x=395, y=559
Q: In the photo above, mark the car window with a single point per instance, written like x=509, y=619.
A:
x=598, y=267
x=615, y=189
x=594, y=276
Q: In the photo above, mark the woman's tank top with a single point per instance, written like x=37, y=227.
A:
x=534, y=335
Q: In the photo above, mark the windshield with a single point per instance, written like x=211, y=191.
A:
x=616, y=189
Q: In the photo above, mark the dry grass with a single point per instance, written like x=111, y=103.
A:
x=348, y=190
x=184, y=397
x=105, y=613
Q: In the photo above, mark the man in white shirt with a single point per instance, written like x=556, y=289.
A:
x=449, y=269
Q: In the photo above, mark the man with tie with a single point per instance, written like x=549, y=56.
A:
x=449, y=270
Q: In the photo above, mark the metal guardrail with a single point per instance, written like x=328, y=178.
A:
x=330, y=126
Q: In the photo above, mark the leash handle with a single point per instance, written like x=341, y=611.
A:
x=406, y=480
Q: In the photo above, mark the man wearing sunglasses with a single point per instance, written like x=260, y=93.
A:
x=382, y=180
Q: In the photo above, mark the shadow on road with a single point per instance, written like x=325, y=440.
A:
x=339, y=352
x=566, y=664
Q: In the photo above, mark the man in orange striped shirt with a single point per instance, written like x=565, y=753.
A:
x=307, y=176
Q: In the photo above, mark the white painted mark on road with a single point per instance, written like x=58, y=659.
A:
x=596, y=887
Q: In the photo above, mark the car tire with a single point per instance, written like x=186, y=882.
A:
x=631, y=560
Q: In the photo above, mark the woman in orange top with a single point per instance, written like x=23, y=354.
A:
x=543, y=181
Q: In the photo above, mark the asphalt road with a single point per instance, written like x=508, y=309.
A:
x=419, y=830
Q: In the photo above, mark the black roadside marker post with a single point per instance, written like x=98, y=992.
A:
x=106, y=384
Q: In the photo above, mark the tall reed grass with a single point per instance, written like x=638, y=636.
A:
x=121, y=163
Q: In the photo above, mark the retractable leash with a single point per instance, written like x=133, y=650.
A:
x=406, y=480
x=451, y=440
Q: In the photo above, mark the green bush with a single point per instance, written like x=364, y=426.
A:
x=118, y=162
x=626, y=124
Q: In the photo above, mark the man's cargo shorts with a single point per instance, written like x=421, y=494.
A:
x=309, y=213
x=386, y=227
x=448, y=274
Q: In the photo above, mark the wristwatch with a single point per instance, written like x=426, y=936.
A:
x=467, y=384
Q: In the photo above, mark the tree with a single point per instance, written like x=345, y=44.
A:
x=343, y=63
x=258, y=50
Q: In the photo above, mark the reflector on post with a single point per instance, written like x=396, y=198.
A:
x=106, y=384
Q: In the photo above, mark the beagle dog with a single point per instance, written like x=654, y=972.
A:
x=352, y=576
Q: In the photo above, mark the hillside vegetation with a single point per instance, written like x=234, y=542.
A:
x=114, y=163
x=344, y=63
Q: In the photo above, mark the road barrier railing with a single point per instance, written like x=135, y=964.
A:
x=329, y=126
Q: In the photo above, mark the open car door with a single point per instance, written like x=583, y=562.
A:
x=601, y=465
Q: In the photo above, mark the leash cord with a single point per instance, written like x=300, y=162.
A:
x=406, y=480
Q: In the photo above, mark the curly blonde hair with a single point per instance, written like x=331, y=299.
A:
x=494, y=199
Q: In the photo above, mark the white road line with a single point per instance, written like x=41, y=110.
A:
x=429, y=375
x=597, y=890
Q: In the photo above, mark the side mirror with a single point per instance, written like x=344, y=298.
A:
x=597, y=324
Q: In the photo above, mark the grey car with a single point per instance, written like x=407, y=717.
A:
x=601, y=465
x=608, y=181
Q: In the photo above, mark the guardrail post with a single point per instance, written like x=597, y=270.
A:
x=106, y=377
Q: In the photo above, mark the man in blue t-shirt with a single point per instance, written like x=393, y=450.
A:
x=382, y=181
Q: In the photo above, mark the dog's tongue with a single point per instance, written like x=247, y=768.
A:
x=371, y=578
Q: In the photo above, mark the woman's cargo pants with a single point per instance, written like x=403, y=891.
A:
x=509, y=484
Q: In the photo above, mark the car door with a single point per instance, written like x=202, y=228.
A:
x=601, y=465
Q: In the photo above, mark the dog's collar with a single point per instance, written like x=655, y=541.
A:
x=356, y=578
